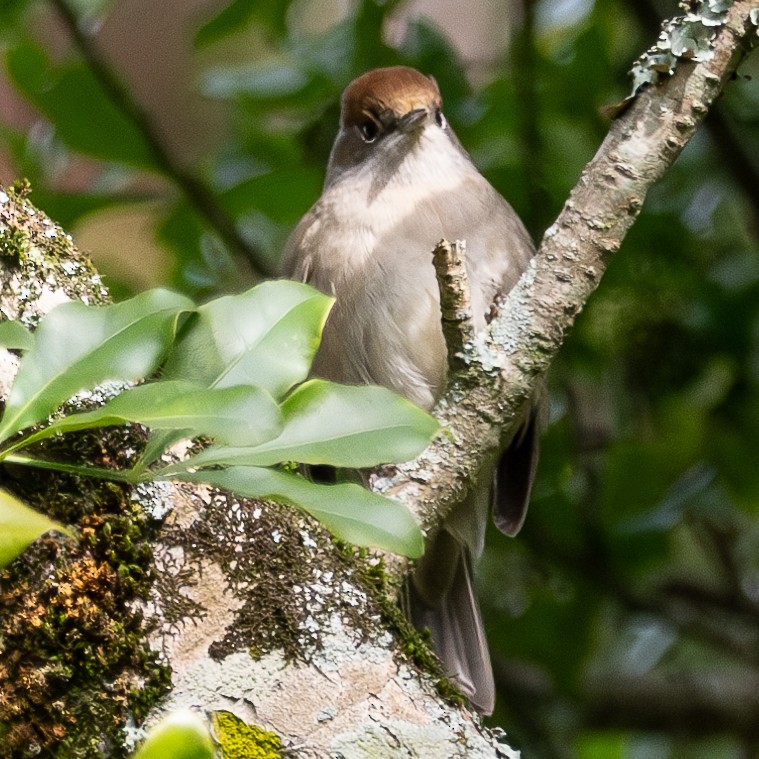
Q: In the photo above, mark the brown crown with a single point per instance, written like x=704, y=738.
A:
x=398, y=89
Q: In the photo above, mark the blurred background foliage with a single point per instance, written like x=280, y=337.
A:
x=180, y=141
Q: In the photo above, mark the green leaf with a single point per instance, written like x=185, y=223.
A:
x=78, y=347
x=255, y=80
x=234, y=16
x=341, y=425
x=612, y=744
x=300, y=185
x=182, y=735
x=20, y=526
x=348, y=511
x=265, y=337
x=241, y=415
x=13, y=334
x=237, y=15
x=72, y=99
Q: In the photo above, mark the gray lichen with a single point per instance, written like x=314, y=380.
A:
x=41, y=266
x=686, y=37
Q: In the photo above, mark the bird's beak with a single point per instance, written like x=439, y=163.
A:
x=413, y=120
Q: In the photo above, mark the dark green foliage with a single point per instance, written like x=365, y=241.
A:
x=636, y=573
x=64, y=94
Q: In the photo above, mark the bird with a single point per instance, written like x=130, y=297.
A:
x=397, y=182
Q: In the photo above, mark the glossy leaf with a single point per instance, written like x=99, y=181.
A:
x=341, y=425
x=13, y=334
x=348, y=511
x=20, y=526
x=80, y=346
x=265, y=337
x=241, y=415
x=182, y=735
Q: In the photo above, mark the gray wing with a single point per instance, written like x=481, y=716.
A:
x=295, y=263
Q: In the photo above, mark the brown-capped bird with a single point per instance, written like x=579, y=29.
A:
x=398, y=181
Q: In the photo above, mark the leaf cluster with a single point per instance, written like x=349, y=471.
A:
x=232, y=371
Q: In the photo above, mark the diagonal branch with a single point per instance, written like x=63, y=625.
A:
x=720, y=125
x=192, y=187
x=507, y=359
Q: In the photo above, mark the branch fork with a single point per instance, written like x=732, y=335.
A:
x=536, y=315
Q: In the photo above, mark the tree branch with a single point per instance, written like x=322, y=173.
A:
x=508, y=358
x=262, y=621
x=734, y=156
x=192, y=187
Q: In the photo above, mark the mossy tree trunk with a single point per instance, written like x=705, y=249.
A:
x=182, y=596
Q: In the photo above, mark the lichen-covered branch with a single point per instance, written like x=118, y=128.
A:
x=506, y=361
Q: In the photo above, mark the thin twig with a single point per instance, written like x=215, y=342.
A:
x=449, y=260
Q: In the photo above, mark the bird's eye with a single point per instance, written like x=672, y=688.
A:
x=369, y=130
x=440, y=119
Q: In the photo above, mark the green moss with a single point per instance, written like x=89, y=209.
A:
x=13, y=244
x=14, y=241
x=74, y=657
x=20, y=188
x=241, y=741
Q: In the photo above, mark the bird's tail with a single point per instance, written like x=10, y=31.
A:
x=441, y=597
